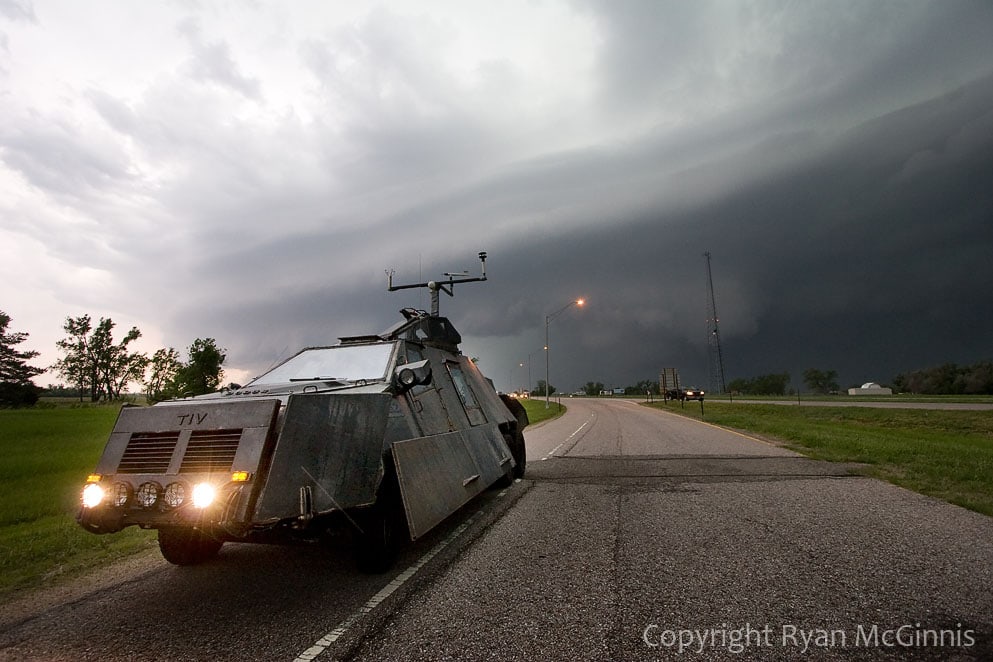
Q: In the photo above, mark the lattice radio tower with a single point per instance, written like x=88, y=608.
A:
x=714, y=356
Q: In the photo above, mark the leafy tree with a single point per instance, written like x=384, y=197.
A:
x=203, y=373
x=948, y=379
x=820, y=381
x=539, y=388
x=739, y=385
x=16, y=387
x=94, y=362
x=116, y=366
x=161, y=376
x=774, y=384
x=76, y=366
x=977, y=379
x=593, y=388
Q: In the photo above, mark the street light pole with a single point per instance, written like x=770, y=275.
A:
x=548, y=320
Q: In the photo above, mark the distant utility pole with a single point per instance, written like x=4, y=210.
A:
x=714, y=356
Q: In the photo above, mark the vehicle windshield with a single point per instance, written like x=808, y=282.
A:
x=345, y=364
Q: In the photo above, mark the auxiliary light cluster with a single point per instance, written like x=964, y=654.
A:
x=151, y=493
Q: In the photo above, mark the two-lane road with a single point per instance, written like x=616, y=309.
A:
x=643, y=530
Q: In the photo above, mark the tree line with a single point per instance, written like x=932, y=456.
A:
x=948, y=379
x=100, y=368
x=596, y=388
x=817, y=381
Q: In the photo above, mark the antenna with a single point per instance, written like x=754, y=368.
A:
x=714, y=355
x=448, y=286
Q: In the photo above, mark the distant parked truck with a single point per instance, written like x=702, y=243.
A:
x=669, y=384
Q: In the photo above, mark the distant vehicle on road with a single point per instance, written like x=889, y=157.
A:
x=693, y=393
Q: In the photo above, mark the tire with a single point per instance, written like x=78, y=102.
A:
x=520, y=453
x=516, y=442
x=507, y=479
x=187, y=546
x=383, y=531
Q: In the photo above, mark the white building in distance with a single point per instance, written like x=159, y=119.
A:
x=870, y=388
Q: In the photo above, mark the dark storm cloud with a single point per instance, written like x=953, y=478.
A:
x=869, y=257
x=786, y=64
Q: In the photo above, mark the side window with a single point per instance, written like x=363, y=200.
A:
x=472, y=408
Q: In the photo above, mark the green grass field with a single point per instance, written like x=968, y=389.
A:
x=945, y=454
x=537, y=413
x=46, y=456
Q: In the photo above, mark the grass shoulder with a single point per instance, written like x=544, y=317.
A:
x=47, y=453
x=944, y=454
x=844, y=398
x=537, y=412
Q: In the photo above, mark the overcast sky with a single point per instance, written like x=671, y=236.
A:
x=247, y=171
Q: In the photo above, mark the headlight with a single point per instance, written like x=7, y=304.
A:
x=92, y=495
x=407, y=378
x=203, y=495
x=148, y=494
x=121, y=494
x=175, y=495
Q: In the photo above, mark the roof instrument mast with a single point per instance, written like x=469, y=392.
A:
x=447, y=286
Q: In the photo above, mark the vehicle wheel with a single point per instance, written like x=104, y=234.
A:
x=520, y=453
x=516, y=443
x=383, y=532
x=507, y=479
x=187, y=546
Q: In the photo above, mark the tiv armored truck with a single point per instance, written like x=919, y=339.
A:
x=381, y=435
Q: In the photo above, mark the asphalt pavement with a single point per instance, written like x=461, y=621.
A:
x=642, y=535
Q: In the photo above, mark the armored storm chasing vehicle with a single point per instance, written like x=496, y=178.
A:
x=381, y=435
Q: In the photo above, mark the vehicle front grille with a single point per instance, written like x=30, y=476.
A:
x=210, y=451
x=148, y=452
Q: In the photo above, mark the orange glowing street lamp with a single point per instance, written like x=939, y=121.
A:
x=548, y=319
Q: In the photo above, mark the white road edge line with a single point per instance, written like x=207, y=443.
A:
x=325, y=642
x=577, y=431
